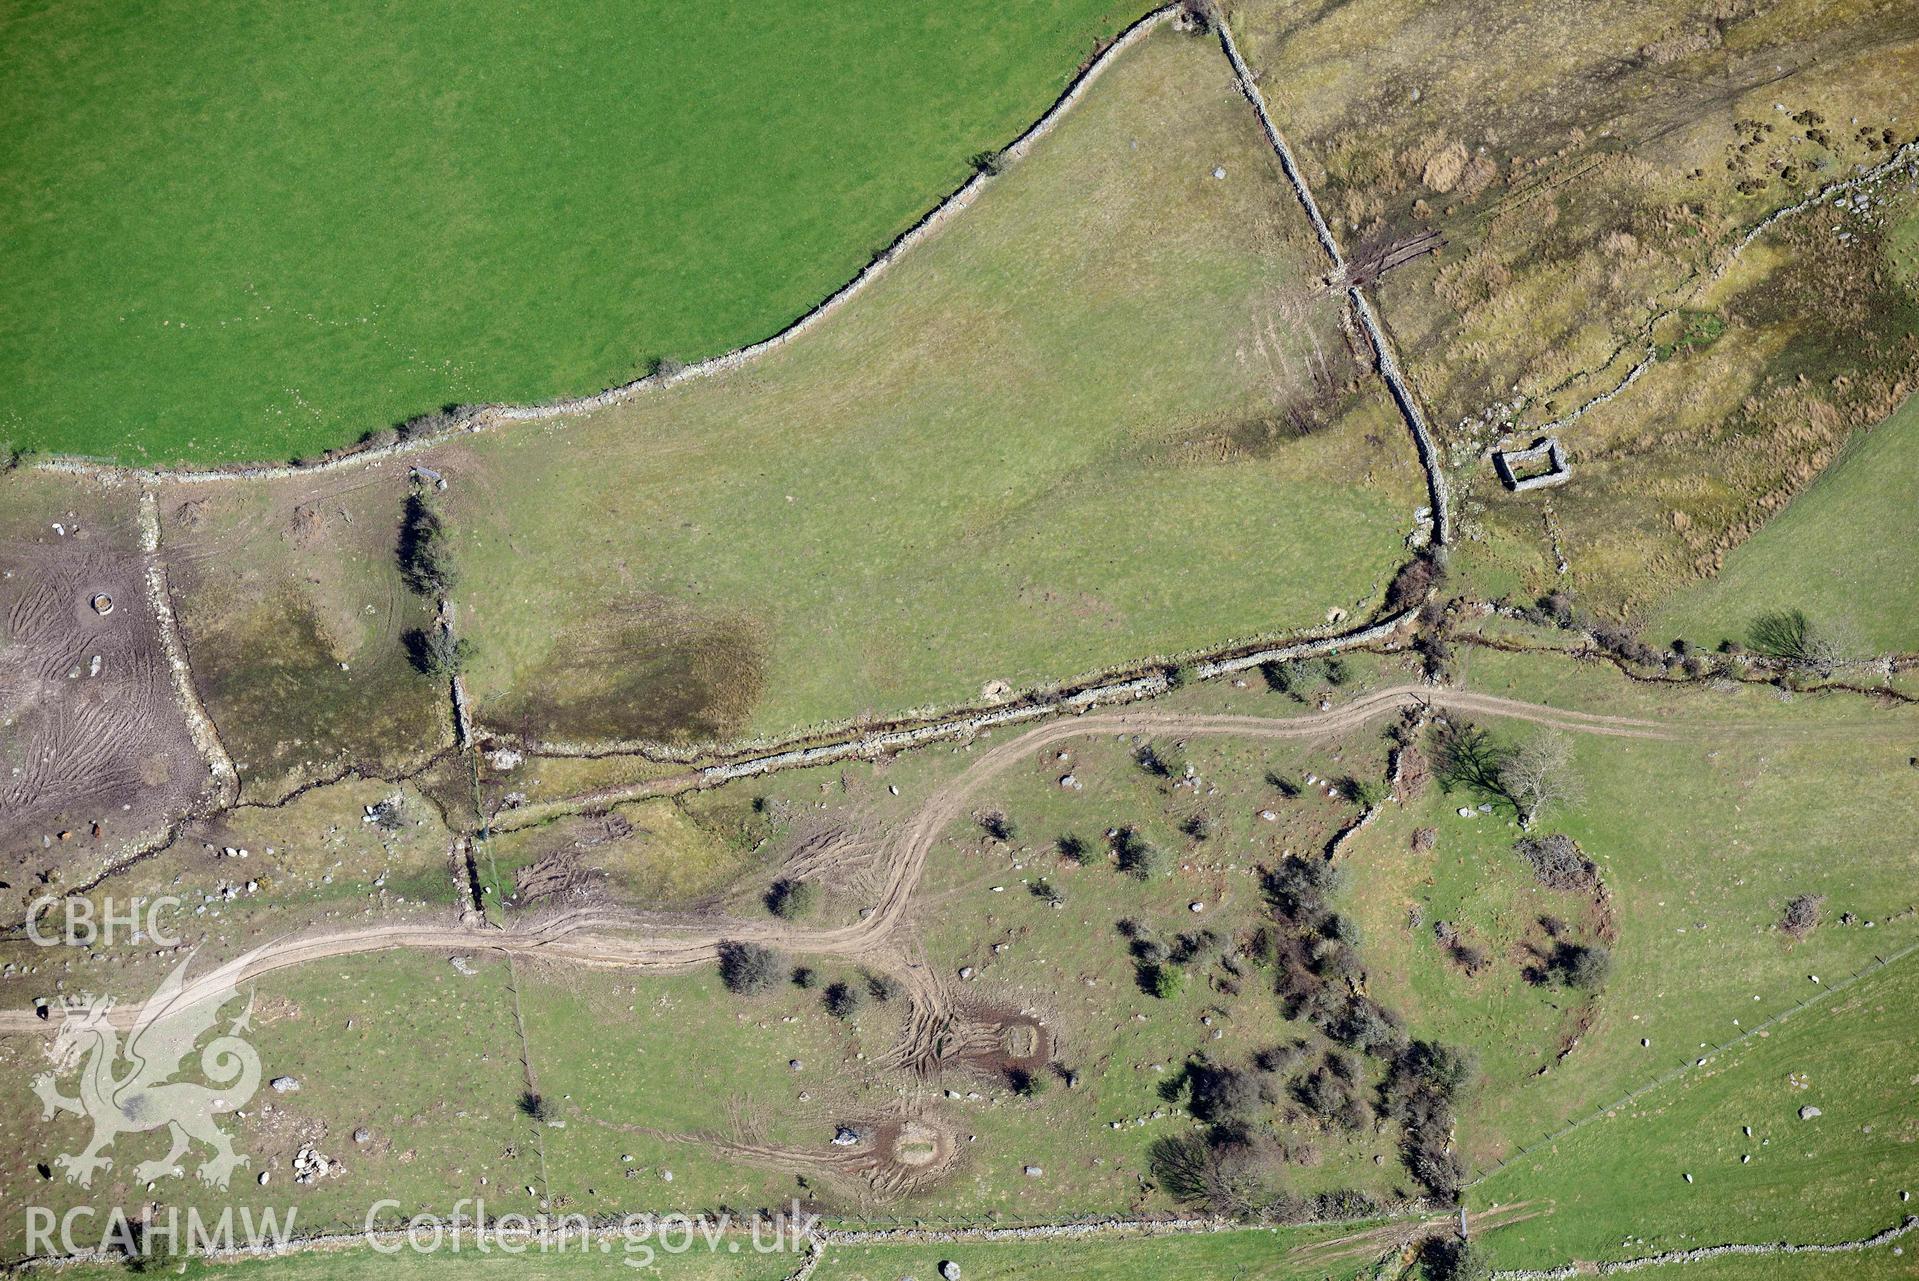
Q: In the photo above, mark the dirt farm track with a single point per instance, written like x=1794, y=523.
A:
x=630, y=940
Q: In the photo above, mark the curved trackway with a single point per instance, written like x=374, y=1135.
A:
x=631, y=940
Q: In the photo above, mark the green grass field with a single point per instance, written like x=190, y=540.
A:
x=1106, y=415
x=423, y=1057
x=1696, y=874
x=650, y=1120
x=1617, y=1188
x=1700, y=841
x=1222, y=1256
x=360, y=1262
x=239, y=235
x=1838, y=552
x=1888, y=1263
x=1059, y=435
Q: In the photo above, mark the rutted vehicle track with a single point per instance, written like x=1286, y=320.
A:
x=612, y=939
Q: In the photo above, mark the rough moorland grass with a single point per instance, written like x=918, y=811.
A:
x=1551, y=169
x=1056, y=437
x=1902, y=246
x=1586, y=207
x=1618, y=1186
x=648, y=854
x=1810, y=356
x=294, y=612
x=312, y=863
x=238, y=235
x=1840, y=552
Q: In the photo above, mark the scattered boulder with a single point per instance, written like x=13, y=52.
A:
x=1808, y=1112
x=949, y=1270
x=284, y=1084
x=310, y=1165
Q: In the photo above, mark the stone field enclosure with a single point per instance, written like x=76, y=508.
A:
x=1019, y=767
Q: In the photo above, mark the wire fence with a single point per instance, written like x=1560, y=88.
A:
x=1695, y=1061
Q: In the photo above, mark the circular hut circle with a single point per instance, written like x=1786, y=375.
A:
x=102, y=603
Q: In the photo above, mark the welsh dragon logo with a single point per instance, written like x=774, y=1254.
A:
x=130, y=1089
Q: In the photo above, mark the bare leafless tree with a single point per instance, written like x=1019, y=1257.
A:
x=1539, y=775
